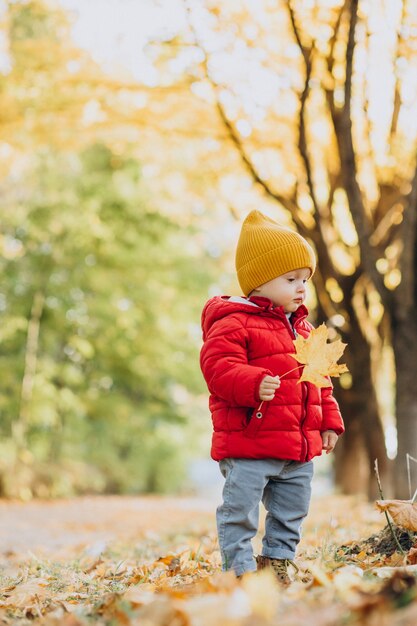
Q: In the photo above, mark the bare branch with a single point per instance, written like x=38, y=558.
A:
x=406, y=289
x=302, y=140
x=397, y=94
x=330, y=58
x=334, y=183
x=391, y=219
x=286, y=202
x=320, y=239
x=343, y=126
x=328, y=306
x=305, y=51
x=368, y=152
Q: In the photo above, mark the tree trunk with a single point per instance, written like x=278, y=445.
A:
x=404, y=341
x=21, y=424
x=351, y=463
x=364, y=439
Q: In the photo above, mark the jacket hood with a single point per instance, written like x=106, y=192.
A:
x=222, y=306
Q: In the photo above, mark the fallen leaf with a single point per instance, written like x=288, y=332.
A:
x=138, y=596
x=387, y=572
x=400, y=588
x=27, y=594
x=161, y=612
x=113, y=608
x=412, y=556
x=263, y=592
x=403, y=512
x=396, y=559
x=319, y=357
x=13, y=585
x=88, y=564
x=347, y=578
x=219, y=581
x=214, y=609
x=319, y=576
x=173, y=562
x=66, y=620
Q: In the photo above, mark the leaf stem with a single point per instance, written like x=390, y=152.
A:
x=386, y=514
x=289, y=371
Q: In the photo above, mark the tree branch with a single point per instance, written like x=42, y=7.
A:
x=286, y=202
x=406, y=289
x=343, y=126
x=387, y=225
x=330, y=60
x=397, y=95
x=319, y=238
x=289, y=203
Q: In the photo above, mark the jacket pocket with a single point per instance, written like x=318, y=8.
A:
x=256, y=421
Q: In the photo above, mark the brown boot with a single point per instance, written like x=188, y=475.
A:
x=279, y=567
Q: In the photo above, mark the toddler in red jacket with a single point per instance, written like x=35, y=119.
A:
x=266, y=429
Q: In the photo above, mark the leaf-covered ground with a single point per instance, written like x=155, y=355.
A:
x=155, y=562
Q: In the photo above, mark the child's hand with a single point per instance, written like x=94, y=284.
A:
x=329, y=438
x=268, y=387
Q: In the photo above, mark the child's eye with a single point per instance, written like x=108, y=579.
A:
x=291, y=280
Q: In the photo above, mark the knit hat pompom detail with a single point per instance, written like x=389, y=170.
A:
x=266, y=250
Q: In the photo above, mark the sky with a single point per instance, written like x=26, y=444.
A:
x=115, y=32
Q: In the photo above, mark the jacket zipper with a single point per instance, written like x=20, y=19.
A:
x=291, y=330
x=304, y=398
x=304, y=438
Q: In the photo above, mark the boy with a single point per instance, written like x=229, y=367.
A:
x=266, y=429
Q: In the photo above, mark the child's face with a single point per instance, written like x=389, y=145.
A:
x=287, y=290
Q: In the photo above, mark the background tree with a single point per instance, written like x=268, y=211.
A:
x=338, y=274
x=279, y=107
x=98, y=296
x=389, y=257
x=325, y=139
x=105, y=277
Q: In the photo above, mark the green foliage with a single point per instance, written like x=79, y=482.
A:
x=119, y=288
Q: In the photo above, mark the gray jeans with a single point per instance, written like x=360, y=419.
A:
x=284, y=487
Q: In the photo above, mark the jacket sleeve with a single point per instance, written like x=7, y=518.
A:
x=332, y=418
x=224, y=363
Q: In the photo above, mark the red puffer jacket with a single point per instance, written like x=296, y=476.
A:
x=245, y=340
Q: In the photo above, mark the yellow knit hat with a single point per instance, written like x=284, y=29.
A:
x=266, y=250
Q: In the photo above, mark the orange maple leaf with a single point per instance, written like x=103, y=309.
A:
x=319, y=357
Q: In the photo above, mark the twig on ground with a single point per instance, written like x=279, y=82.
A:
x=386, y=514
